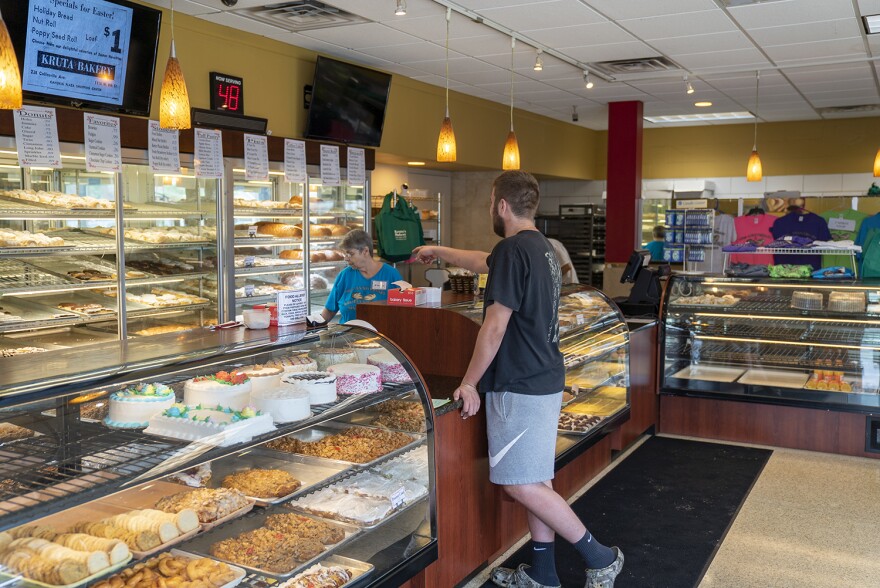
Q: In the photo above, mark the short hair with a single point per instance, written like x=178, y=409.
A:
x=356, y=240
x=520, y=190
x=659, y=232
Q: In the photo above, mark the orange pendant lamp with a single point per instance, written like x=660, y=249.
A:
x=446, y=140
x=877, y=164
x=754, y=170
x=174, y=110
x=510, y=159
x=10, y=77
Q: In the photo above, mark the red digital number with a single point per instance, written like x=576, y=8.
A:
x=230, y=95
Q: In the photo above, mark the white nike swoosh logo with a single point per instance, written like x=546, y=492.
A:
x=494, y=459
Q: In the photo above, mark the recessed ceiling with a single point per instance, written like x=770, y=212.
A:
x=816, y=60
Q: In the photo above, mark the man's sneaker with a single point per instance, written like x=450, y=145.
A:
x=518, y=578
x=604, y=577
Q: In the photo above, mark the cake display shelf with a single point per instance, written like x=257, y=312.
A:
x=17, y=276
x=358, y=401
x=749, y=354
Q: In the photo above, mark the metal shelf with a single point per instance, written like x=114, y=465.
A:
x=242, y=212
x=758, y=355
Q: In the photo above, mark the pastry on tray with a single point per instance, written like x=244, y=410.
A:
x=321, y=576
x=262, y=483
x=10, y=432
x=209, y=504
x=265, y=549
x=355, y=444
x=194, y=477
x=167, y=571
x=306, y=527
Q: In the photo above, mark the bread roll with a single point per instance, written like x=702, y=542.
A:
x=295, y=200
x=291, y=254
x=278, y=230
x=140, y=541
x=94, y=561
x=186, y=520
x=317, y=257
x=139, y=523
x=338, y=230
x=320, y=231
x=115, y=549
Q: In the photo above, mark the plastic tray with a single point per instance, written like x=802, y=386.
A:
x=358, y=569
x=781, y=378
x=709, y=373
x=201, y=545
x=15, y=580
x=240, y=573
x=392, y=515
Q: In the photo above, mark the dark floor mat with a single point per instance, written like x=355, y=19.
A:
x=668, y=506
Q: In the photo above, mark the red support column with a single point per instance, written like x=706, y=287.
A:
x=624, y=179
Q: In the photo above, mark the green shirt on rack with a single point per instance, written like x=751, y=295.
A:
x=844, y=225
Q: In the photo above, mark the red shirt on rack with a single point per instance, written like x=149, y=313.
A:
x=754, y=229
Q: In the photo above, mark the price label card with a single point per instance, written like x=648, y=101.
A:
x=841, y=224
x=36, y=134
x=293, y=307
x=103, y=144
x=252, y=231
x=256, y=157
x=209, y=154
x=330, y=165
x=249, y=290
x=579, y=319
x=357, y=171
x=294, y=160
x=483, y=279
x=164, y=149
x=249, y=261
x=398, y=497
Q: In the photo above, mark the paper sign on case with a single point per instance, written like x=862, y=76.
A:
x=294, y=160
x=357, y=172
x=256, y=158
x=36, y=135
x=330, y=165
x=103, y=143
x=209, y=154
x=164, y=149
x=293, y=307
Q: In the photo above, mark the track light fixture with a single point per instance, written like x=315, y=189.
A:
x=688, y=87
x=588, y=82
x=400, y=10
x=539, y=62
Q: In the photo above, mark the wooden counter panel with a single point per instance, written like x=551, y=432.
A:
x=644, y=401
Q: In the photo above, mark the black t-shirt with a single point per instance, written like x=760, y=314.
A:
x=524, y=276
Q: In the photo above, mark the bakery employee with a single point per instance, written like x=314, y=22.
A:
x=364, y=280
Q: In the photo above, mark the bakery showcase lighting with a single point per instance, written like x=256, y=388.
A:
x=871, y=23
x=510, y=157
x=415, y=163
x=400, y=9
x=539, y=62
x=688, y=86
x=703, y=104
x=446, y=151
x=588, y=81
x=173, y=98
x=10, y=77
x=754, y=169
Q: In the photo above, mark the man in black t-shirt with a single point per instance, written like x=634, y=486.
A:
x=519, y=368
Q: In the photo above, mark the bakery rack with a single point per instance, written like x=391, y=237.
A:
x=850, y=251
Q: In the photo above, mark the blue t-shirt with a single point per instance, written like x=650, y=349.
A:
x=801, y=224
x=352, y=288
x=656, y=249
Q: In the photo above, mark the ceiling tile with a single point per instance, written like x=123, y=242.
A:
x=456, y=66
x=613, y=51
x=867, y=7
x=618, y=9
x=544, y=15
x=433, y=28
x=844, y=101
x=702, y=43
x=679, y=25
x=828, y=73
x=581, y=35
x=361, y=36
x=243, y=24
x=805, y=33
x=481, y=4
x=853, y=47
x=793, y=12
x=489, y=44
x=422, y=51
x=719, y=59
x=189, y=7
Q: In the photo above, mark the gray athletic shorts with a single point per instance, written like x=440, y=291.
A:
x=522, y=437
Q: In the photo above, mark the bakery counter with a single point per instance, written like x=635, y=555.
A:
x=299, y=447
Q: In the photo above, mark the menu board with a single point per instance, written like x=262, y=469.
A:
x=36, y=134
x=209, y=154
x=103, y=143
x=256, y=157
x=357, y=173
x=294, y=160
x=164, y=149
x=330, y=165
x=78, y=49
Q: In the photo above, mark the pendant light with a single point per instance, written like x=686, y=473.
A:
x=510, y=159
x=174, y=99
x=10, y=78
x=754, y=171
x=446, y=140
x=877, y=164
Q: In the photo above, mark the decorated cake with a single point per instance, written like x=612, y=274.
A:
x=286, y=404
x=133, y=407
x=219, y=425
x=321, y=386
x=327, y=356
x=392, y=370
x=356, y=378
x=223, y=388
x=262, y=377
x=294, y=364
x=366, y=347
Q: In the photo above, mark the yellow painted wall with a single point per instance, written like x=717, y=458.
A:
x=275, y=74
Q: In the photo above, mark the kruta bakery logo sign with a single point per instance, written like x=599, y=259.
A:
x=400, y=234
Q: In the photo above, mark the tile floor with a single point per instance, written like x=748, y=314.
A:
x=812, y=520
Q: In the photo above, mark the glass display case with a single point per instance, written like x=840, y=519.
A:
x=777, y=341
x=216, y=445
x=594, y=341
x=62, y=263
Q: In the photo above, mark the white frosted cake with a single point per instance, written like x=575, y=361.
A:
x=223, y=389
x=132, y=407
x=356, y=378
x=327, y=356
x=213, y=426
x=366, y=347
x=285, y=404
x=321, y=386
x=262, y=377
x=294, y=364
x=392, y=370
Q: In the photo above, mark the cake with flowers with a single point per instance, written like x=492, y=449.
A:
x=392, y=370
x=223, y=388
x=217, y=425
x=356, y=378
x=321, y=386
x=262, y=377
x=132, y=407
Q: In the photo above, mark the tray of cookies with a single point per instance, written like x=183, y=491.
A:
x=177, y=568
x=275, y=542
x=335, y=571
x=354, y=446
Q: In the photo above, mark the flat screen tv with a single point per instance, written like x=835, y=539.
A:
x=348, y=103
x=97, y=54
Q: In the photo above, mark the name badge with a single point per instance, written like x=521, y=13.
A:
x=379, y=285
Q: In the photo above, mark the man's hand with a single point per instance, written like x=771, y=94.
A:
x=425, y=254
x=470, y=400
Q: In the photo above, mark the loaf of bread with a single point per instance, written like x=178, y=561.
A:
x=291, y=254
x=278, y=230
x=295, y=200
x=317, y=257
x=320, y=231
x=338, y=230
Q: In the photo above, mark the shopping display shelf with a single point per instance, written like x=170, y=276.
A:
x=14, y=209
x=786, y=331
x=765, y=306
x=269, y=269
x=83, y=242
x=751, y=354
x=259, y=212
x=587, y=351
x=262, y=241
x=160, y=210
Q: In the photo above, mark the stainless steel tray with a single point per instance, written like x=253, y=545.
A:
x=87, y=296
x=19, y=276
x=60, y=266
x=172, y=245
x=308, y=470
x=320, y=431
x=393, y=515
x=31, y=312
x=201, y=544
x=358, y=569
x=58, y=338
